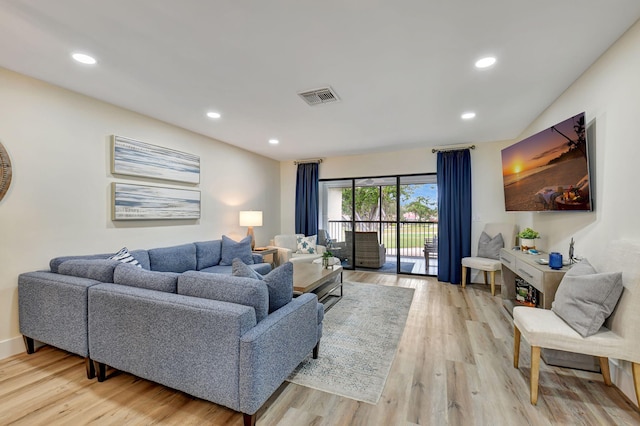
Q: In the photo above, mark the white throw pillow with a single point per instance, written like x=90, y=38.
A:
x=307, y=245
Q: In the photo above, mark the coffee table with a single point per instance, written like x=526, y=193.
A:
x=313, y=278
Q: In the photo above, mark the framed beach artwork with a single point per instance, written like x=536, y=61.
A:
x=135, y=158
x=142, y=202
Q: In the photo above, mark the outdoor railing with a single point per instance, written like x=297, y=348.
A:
x=413, y=235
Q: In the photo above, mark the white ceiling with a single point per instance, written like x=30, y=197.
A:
x=403, y=69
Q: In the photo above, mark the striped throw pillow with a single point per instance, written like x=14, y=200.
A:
x=125, y=257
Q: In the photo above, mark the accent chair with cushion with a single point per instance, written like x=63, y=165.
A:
x=296, y=248
x=595, y=312
x=369, y=252
x=494, y=237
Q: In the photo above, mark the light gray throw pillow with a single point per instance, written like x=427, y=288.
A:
x=585, y=298
x=490, y=247
x=240, y=269
x=279, y=282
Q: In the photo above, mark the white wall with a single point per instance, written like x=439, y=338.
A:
x=609, y=93
x=59, y=201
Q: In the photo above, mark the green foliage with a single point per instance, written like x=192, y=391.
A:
x=423, y=207
x=529, y=234
x=380, y=203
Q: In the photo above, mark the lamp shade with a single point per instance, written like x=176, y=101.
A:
x=251, y=218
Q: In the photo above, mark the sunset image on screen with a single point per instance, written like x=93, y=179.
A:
x=549, y=170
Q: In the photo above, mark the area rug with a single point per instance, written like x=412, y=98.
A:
x=405, y=267
x=359, y=341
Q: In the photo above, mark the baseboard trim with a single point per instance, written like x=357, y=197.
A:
x=11, y=347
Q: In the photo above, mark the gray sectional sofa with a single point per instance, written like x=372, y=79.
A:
x=227, y=339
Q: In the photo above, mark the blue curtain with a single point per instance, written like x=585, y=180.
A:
x=454, y=213
x=307, y=199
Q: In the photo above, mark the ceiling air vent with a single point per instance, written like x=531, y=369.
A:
x=324, y=95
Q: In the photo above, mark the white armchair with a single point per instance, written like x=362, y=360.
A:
x=287, y=246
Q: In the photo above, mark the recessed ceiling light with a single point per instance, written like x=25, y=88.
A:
x=84, y=59
x=212, y=114
x=468, y=115
x=274, y=141
x=485, y=62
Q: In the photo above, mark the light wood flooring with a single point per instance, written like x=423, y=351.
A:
x=453, y=366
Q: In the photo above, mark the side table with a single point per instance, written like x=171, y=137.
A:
x=266, y=251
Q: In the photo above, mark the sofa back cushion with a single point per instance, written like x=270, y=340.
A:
x=95, y=269
x=54, y=264
x=173, y=259
x=288, y=241
x=140, y=255
x=242, y=291
x=208, y=254
x=153, y=280
x=232, y=249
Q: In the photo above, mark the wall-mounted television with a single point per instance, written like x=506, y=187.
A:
x=549, y=171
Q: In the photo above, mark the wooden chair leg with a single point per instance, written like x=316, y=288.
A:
x=516, y=346
x=464, y=276
x=604, y=368
x=485, y=277
x=493, y=283
x=535, y=372
x=316, y=350
x=635, y=368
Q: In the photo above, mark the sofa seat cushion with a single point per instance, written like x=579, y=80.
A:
x=225, y=288
x=153, y=280
x=95, y=269
x=261, y=268
x=179, y=258
x=232, y=249
x=208, y=253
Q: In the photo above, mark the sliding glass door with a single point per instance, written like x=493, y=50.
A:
x=384, y=224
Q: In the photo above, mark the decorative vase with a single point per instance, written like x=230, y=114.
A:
x=527, y=243
x=325, y=262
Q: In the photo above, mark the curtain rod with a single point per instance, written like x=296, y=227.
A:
x=452, y=148
x=310, y=160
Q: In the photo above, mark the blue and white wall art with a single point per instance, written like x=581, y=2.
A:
x=134, y=158
x=137, y=202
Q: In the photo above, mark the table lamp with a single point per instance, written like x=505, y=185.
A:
x=251, y=218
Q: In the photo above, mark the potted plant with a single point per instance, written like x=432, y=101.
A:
x=325, y=259
x=528, y=239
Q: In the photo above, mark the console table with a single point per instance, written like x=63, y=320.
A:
x=516, y=263
x=542, y=277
